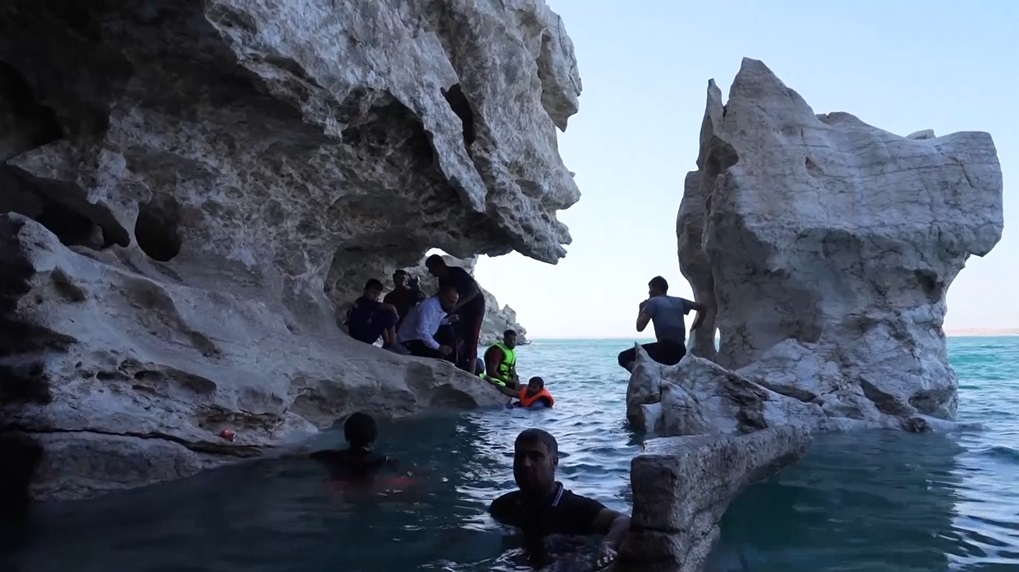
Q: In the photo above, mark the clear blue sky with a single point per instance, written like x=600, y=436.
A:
x=901, y=65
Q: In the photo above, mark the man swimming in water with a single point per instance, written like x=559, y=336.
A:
x=543, y=506
x=358, y=463
x=670, y=328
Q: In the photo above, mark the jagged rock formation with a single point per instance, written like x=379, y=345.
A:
x=498, y=319
x=823, y=249
x=682, y=487
x=192, y=174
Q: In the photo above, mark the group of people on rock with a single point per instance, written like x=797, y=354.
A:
x=446, y=325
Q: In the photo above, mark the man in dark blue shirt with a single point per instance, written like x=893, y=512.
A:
x=543, y=506
x=369, y=319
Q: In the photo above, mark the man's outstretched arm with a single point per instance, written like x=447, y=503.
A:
x=701, y=311
x=614, y=525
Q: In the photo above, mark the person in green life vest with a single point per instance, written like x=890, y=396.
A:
x=501, y=361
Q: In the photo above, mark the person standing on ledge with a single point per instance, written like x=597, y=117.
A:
x=670, y=328
x=543, y=506
x=470, y=308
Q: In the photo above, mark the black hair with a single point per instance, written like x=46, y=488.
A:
x=359, y=430
x=509, y=333
x=659, y=283
x=373, y=284
x=434, y=259
x=541, y=382
x=400, y=272
x=539, y=436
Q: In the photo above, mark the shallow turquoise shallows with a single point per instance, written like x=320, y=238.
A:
x=871, y=501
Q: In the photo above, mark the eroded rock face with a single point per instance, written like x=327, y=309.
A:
x=195, y=173
x=827, y=246
x=683, y=485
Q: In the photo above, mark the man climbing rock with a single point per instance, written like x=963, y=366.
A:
x=670, y=328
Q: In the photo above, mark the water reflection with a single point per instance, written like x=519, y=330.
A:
x=882, y=500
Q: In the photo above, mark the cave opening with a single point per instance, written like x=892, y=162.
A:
x=157, y=228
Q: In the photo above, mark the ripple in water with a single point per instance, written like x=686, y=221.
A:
x=869, y=501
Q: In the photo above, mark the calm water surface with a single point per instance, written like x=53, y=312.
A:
x=870, y=501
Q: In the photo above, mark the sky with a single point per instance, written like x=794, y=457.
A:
x=902, y=66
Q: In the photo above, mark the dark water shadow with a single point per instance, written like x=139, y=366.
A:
x=874, y=501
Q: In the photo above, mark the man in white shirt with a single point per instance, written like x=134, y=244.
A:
x=418, y=329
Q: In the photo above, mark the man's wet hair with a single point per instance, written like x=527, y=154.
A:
x=373, y=284
x=539, y=436
x=659, y=283
x=509, y=333
x=359, y=430
x=538, y=380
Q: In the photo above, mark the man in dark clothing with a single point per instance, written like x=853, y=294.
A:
x=542, y=506
x=666, y=312
x=470, y=309
x=405, y=295
x=368, y=319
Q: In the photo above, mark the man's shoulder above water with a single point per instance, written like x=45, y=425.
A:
x=565, y=512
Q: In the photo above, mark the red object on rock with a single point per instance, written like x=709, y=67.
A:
x=227, y=434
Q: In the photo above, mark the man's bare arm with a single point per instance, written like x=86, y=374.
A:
x=701, y=311
x=643, y=318
x=614, y=525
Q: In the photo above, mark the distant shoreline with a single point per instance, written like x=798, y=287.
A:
x=955, y=333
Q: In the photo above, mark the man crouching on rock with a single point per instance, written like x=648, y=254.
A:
x=544, y=507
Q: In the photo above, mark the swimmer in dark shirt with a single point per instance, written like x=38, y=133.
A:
x=543, y=506
x=357, y=464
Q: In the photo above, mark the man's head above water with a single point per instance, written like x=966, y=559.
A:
x=535, y=458
x=534, y=385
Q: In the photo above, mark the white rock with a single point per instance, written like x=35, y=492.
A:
x=683, y=485
x=826, y=246
x=209, y=168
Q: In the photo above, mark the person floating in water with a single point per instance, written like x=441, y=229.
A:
x=358, y=464
x=543, y=506
x=369, y=319
x=532, y=396
x=469, y=308
x=670, y=328
x=501, y=361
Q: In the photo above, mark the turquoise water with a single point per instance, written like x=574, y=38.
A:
x=869, y=501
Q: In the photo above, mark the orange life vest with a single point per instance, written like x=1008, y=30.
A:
x=527, y=401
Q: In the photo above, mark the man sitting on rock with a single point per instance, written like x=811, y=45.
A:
x=417, y=332
x=405, y=295
x=543, y=507
x=501, y=361
x=369, y=319
x=470, y=308
x=670, y=328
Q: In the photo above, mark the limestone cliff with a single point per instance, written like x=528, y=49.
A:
x=823, y=248
x=182, y=179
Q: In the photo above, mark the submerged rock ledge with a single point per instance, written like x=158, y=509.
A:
x=182, y=179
